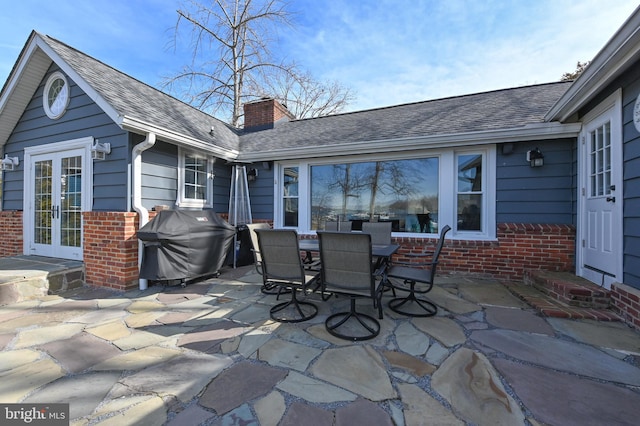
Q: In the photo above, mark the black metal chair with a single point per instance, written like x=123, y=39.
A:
x=347, y=269
x=282, y=267
x=412, y=274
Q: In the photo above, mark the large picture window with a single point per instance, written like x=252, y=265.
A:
x=418, y=195
x=403, y=192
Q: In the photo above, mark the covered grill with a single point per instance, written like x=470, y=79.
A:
x=184, y=244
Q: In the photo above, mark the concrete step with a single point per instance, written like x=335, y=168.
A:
x=26, y=277
x=550, y=304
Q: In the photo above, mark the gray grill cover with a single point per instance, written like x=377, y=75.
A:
x=184, y=244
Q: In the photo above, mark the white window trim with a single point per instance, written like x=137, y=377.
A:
x=45, y=95
x=182, y=201
x=447, y=209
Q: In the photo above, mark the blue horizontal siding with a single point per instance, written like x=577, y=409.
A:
x=546, y=194
x=630, y=83
x=82, y=119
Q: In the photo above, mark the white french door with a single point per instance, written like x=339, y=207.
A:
x=56, y=185
x=600, y=251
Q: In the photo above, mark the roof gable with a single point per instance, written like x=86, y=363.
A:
x=131, y=104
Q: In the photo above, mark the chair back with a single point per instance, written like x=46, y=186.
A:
x=280, y=254
x=380, y=232
x=436, y=254
x=254, y=239
x=346, y=263
x=342, y=226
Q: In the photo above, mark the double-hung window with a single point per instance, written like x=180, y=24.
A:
x=195, y=180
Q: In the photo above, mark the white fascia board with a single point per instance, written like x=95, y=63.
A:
x=25, y=77
x=612, y=60
x=141, y=127
x=530, y=132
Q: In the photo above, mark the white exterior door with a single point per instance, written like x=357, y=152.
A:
x=56, y=185
x=600, y=248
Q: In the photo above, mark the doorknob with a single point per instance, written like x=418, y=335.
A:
x=612, y=199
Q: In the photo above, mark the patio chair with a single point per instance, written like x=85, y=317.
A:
x=347, y=270
x=342, y=226
x=254, y=242
x=282, y=267
x=267, y=288
x=413, y=274
x=380, y=232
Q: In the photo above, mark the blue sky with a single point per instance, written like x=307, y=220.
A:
x=388, y=52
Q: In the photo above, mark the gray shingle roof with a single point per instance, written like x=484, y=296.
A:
x=134, y=99
x=495, y=110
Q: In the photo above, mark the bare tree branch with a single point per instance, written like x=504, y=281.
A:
x=232, y=62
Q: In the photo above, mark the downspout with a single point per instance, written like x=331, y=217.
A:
x=143, y=213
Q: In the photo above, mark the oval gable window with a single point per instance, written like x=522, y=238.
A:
x=56, y=96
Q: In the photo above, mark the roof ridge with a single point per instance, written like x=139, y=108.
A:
x=466, y=95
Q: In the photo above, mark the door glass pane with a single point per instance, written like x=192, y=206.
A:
x=70, y=202
x=42, y=202
x=600, y=161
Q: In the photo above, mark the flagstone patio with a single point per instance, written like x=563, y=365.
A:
x=209, y=354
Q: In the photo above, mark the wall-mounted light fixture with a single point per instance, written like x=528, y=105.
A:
x=535, y=158
x=99, y=150
x=252, y=174
x=9, y=163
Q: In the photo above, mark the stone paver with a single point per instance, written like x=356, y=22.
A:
x=302, y=414
x=421, y=409
x=209, y=354
x=87, y=391
x=563, y=399
x=281, y=353
x=80, y=352
x=518, y=319
x=12, y=359
x=313, y=390
x=241, y=382
x=471, y=385
x=270, y=408
x=612, y=335
x=18, y=382
x=138, y=359
x=149, y=412
x=362, y=412
x=358, y=369
x=410, y=341
x=42, y=335
x=445, y=330
x=409, y=363
x=182, y=377
x=561, y=355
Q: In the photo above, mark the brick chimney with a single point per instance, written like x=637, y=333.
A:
x=263, y=114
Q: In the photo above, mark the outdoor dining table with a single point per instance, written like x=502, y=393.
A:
x=382, y=251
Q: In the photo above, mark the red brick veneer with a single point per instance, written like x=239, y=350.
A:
x=111, y=249
x=626, y=301
x=519, y=247
x=11, y=242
